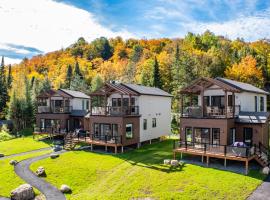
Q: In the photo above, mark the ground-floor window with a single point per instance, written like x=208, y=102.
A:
x=102, y=129
x=129, y=131
x=188, y=132
x=215, y=136
x=154, y=122
x=248, y=136
x=202, y=135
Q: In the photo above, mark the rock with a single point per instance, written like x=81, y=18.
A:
x=40, y=171
x=54, y=155
x=266, y=170
x=167, y=161
x=13, y=162
x=65, y=189
x=174, y=163
x=1, y=155
x=23, y=192
x=57, y=148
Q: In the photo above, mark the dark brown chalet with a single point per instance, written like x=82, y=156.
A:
x=61, y=111
x=225, y=119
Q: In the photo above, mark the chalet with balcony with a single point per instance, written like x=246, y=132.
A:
x=60, y=111
x=127, y=114
x=225, y=119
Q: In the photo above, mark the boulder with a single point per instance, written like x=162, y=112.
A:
x=1, y=155
x=54, y=155
x=174, y=163
x=40, y=171
x=23, y=192
x=266, y=170
x=167, y=161
x=57, y=148
x=65, y=189
x=13, y=162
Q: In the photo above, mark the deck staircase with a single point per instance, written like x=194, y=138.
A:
x=69, y=142
x=262, y=156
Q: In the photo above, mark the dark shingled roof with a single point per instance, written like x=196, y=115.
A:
x=252, y=117
x=75, y=94
x=242, y=86
x=144, y=90
x=78, y=113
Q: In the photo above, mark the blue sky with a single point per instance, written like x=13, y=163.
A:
x=39, y=26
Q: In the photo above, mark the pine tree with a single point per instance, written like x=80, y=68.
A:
x=9, y=78
x=3, y=89
x=156, y=75
x=79, y=84
x=77, y=71
x=29, y=107
x=69, y=76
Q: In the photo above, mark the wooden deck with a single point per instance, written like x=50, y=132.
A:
x=88, y=140
x=211, y=154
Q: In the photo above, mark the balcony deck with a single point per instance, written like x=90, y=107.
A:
x=115, y=111
x=244, y=154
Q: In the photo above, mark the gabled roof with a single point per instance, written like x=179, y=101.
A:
x=242, y=86
x=75, y=94
x=129, y=89
x=252, y=117
x=145, y=90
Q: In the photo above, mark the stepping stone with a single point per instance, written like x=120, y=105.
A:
x=54, y=155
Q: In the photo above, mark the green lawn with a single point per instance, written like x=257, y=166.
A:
x=19, y=145
x=8, y=178
x=140, y=174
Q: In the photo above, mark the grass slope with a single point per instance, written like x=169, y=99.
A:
x=8, y=178
x=19, y=145
x=140, y=174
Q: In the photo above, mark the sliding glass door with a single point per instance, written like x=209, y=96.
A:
x=202, y=135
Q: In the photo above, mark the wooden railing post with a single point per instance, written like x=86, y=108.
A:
x=225, y=150
x=204, y=147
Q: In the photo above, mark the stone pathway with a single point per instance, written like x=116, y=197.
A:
x=4, y=198
x=262, y=192
x=23, y=171
x=25, y=153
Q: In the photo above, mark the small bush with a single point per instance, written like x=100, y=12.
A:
x=4, y=134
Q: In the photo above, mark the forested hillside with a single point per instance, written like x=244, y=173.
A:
x=166, y=63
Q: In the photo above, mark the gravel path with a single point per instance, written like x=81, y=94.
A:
x=25, y=153
x=262, y=192
x=23, y=171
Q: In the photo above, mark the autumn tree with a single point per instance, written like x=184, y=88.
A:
x=246, y=71
x=96, y=83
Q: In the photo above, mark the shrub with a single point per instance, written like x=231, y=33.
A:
x=4, y=134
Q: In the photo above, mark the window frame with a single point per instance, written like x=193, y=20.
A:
x=213, y=136
x=262, y=104
x=132, y=135
x=154, y=122
x=144, y=124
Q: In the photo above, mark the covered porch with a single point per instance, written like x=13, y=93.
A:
x=208, y=98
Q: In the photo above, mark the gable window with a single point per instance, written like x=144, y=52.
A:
x=256, y=103
x=144, y=124
x=129, y=131
x=261, y=104
x=154, y=122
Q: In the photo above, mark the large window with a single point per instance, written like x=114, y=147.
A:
x=216, y=136
x=115, y=129
x=129, y=131
x=218, y=101
x=202, y=135
x=256, y=104
x=188, y=134
x=262, y=104
x=154, y=122
x=144, y=124
x=230, y=100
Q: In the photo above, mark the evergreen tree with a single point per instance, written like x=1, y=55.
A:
x=69, y=76
x=157, y=82
x=29, y=107
x=9, y=78
x=77, y=71
x=45, y=86
x=3, y=89
x=96, y=83
x=79, y=84
x=144, y=80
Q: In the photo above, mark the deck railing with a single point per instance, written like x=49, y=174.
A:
x=115, y=110
x=54, y=109
x=103, y=138
x=210, y=111
x=224, y=150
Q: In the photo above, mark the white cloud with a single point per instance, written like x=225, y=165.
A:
x=248, y=27
x=48, y=25
x=12, y=61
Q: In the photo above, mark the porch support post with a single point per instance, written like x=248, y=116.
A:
x=122, y=149
x=106, y=148
x=233, y=103
x=181, y=156
x=226, y=104
x=115, y=149
x=150, y=141
x=202, y=158
x=91, y=147
x=246, y=166
x=225, y=162
x=207, y=161
x=181, y=104
x=202, y=101
x=138, y=145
